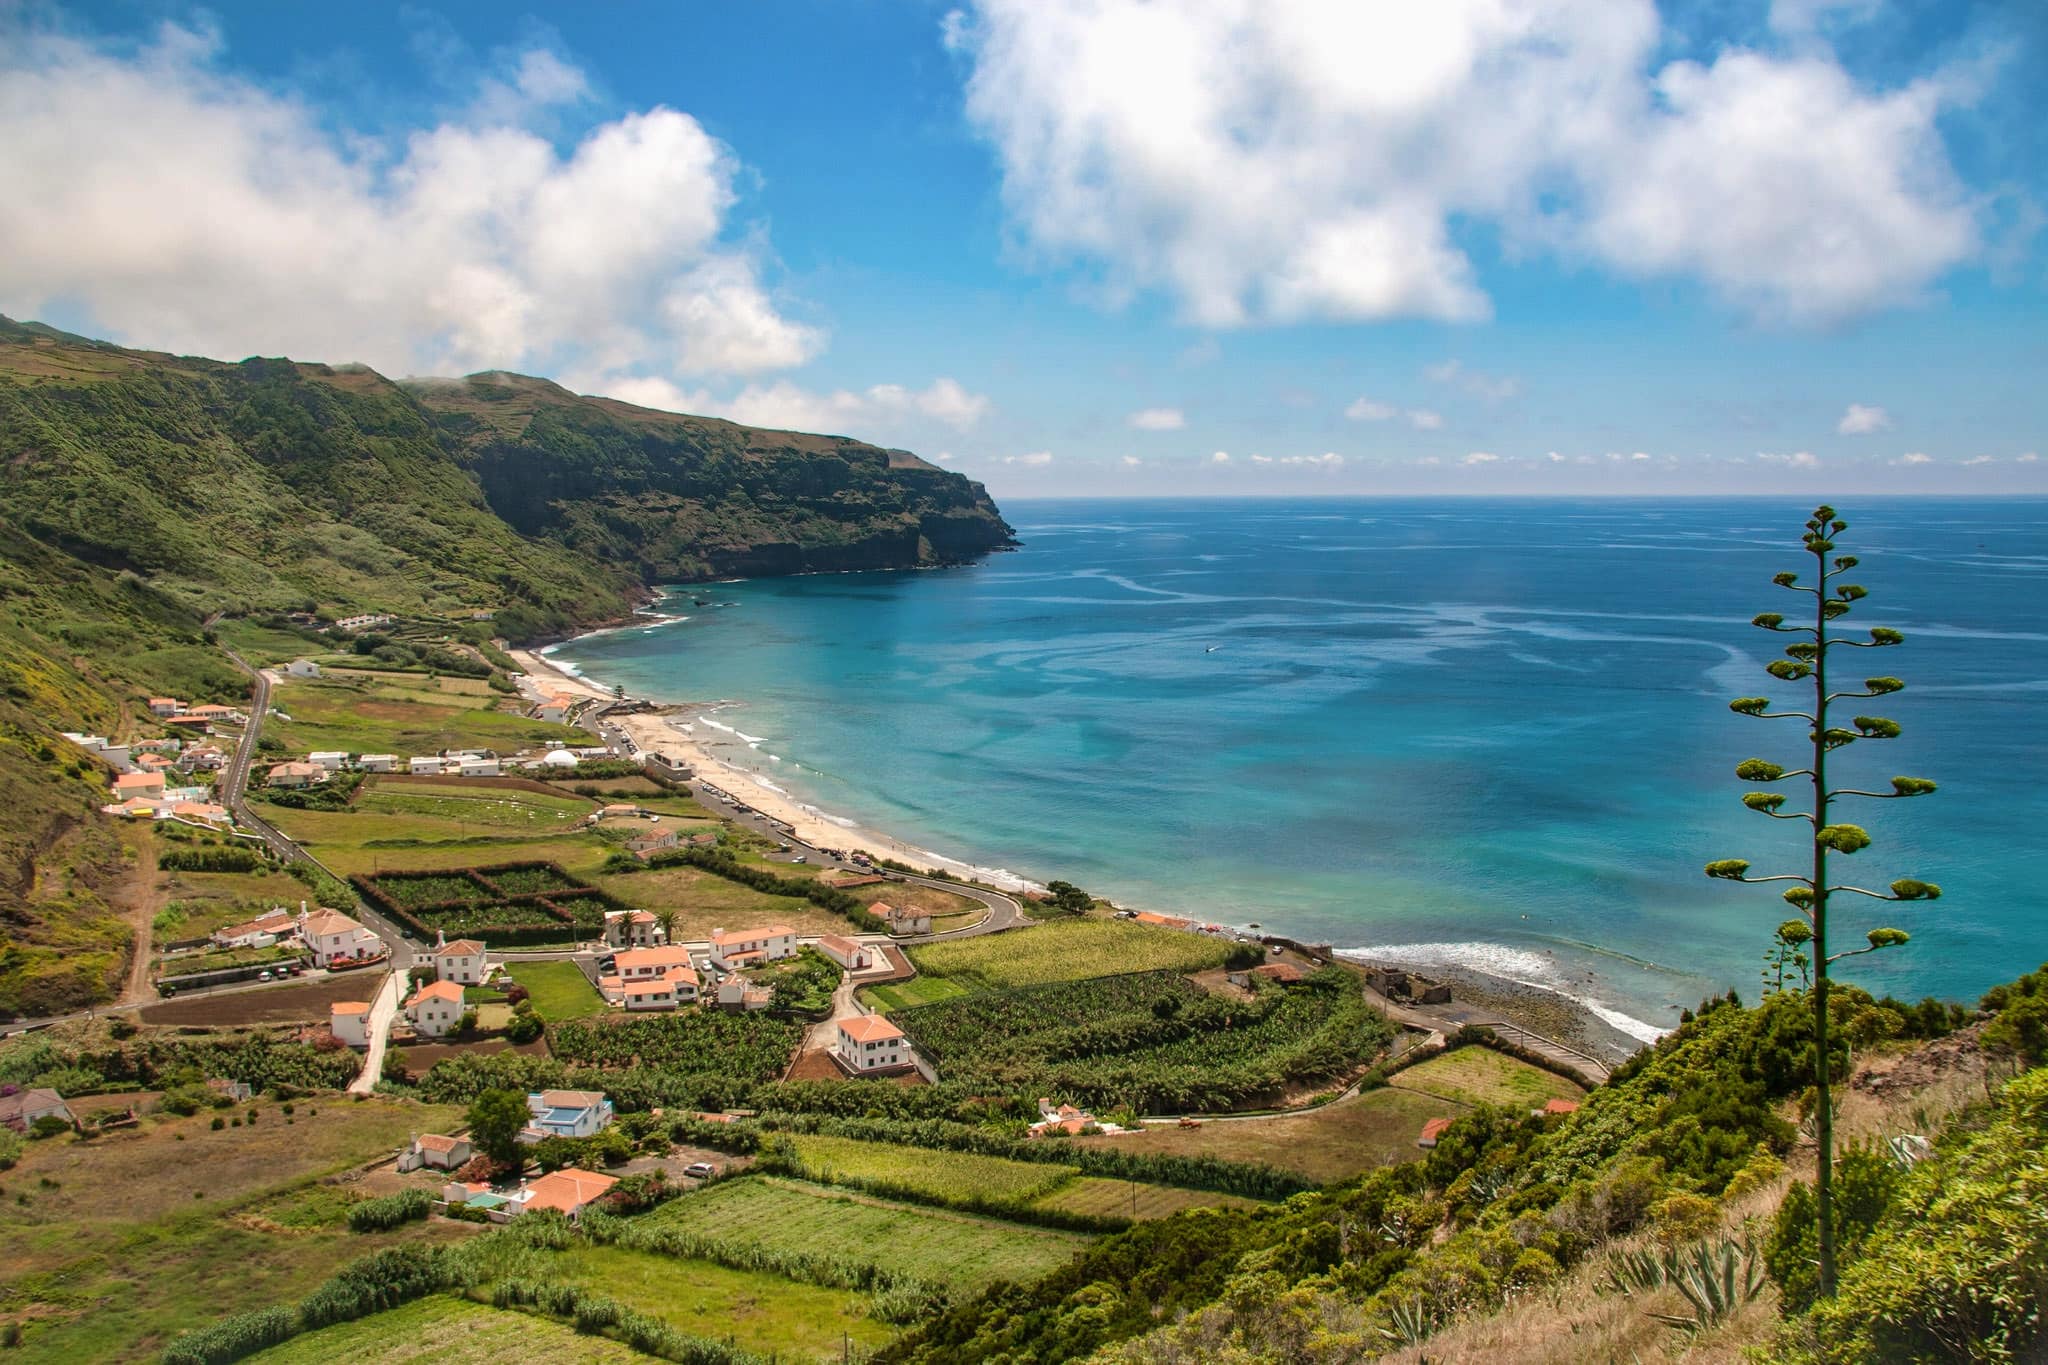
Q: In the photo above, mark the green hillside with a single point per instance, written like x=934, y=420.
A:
x=149, y=495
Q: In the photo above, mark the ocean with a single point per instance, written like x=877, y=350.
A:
x=1492, y=733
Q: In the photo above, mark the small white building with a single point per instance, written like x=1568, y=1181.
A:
x=292, y=776
x=426, y=765
x=332, y=936
x=868, y=1042
x=652, y=842
x=20, y=1110
x=477, y=766
x=333, y=760
x=732, y=949
x=378, y=763
x=671, y=989
x=260, y=932
x=565, y=1113
x=436, y=1152
x=735, y=992
x=435, y=1009
x=349, y=1020
x=559, y=760
x=554, y=709
x=855, y=957
x=632, y=929
x=461, y=962
x=165, y=706
x=302, y=668
x=902, y=922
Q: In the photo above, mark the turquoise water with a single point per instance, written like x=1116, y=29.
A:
x=1490, y=732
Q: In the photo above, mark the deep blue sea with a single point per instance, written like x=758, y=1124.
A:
x=1488, y=732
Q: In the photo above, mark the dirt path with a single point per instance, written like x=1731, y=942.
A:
x=142, y=894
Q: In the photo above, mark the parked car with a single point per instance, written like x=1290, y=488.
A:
x=263, y=975
x=700, y=1170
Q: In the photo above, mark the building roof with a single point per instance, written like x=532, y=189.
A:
x=882, y=908
x=749, y=935
x=869, y=1028
x=436, y=990
x=658, y=958
x=461, y=947
x=1170, y=921
x=839, y=945
x=324, y=921
x=568, y=1189
x=12, y=1107
x=1280, y=971
x=297, y=770
x=380, y=758
x=343, y=1008
x=1560, y=1106
x=571, y=1099
x=274, y=922
x=138, y=781
x=1434, y=1129
x=436, y=1142
x=163, y=701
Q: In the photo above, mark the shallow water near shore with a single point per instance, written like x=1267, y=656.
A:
x=1485, y=733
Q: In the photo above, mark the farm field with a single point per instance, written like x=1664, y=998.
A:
x=918, y=990
x=704, y=901
x=494, y=808
x=559, y=990
x=1334, y=1142
x=1068, y=950
x=755, y=1046
x=764, y=1313
x=445, y=1330
x=118, y=1277
x=1479, y=1075
x=368, y=842
x=939, y=1174
x=934, y=1244
x=211, y=900
x=405, y=714
x=1133, y=1199
x=301, y=1000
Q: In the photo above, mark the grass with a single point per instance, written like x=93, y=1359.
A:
x=146, y=1232
x=1328, y=1144
x=445, y=1330
x=907, y=995
x=1479, y=1075
x=1069, y=950
x=404, y=714
x=956, y=1249
x=266, y=645
x=942, y=1175
x=489, y=806
x=1132, y=1199
x=559, y=990
x=764, y=1313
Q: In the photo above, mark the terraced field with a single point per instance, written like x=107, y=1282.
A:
x=445, y=1331
x=1132, y=1199
x=1069, y=950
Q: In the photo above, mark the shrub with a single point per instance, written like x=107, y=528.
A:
x=379, y=1281
x=233, y=1338
x=48, y=1126
x=1863, y=1185
x=379, y=1215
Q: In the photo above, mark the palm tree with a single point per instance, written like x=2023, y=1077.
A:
x=1807, y=660
x=665, y=920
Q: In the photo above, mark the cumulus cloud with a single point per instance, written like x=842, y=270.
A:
x=1422, y=419
x=1036, y=459
x=1370, y=410
x=1798, y=459
x=1329, y=459
x=1220, y=457
x=1915, y=457
x=182, y=206
x=1980, y=459
x=1158, y=419
x=1481, y=457
x=1862, y=421
x=786, y=406
x=1286, y=160
x=1131, y=462
x=2030, y=457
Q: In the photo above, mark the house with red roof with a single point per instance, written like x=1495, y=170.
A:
x=461, y=962
x=869, y=1043
x=349, y=1021
x=732, y=949
x=1431, y=1131
x=568, y=1191
x=435, y=1009
x=855, y=957
x=436, y=1151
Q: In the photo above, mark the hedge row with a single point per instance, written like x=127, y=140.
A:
x=595, y=1315
x=208, y=859
x=383, y=1280
x=392, y=1210
x=779, y=1160
x=506, y=935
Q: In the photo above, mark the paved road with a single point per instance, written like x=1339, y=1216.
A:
x=234, y=785
x=382, y=1011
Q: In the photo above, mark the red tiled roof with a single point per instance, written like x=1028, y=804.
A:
x=568, y=1189
x=869, y=1028
x=1434, y=1129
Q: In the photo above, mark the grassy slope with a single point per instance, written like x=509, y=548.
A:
x=559, y=990
x=443, y=1330
x=1067, y=950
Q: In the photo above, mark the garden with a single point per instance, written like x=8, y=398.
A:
x=504, y=904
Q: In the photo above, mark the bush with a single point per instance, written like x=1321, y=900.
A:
x=1863, y=1185
x=213, y=858
x=48, y=1126
x=10, y=1148
x=383, y=1280
x=381, y=1215
x=524, y=1028
x=233, y=1338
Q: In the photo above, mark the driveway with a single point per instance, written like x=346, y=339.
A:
x=382, y=1011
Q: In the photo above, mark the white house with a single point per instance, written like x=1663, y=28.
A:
x=675, y=987
x=554, y=709
x=902, y=922
x=361, y=622
x=20, y=1110
x=333, y=936
x=333, y=760
x=260, y=932
x=427, y=765
x=349, y=1020
x=165, y=706
x=567, y=1191
x=377, y=763
x=736, y=992
x=302, y=668
x=565, y=1113
x=435, y=1008
x=735, y=948
x=868, y=1042
x=291, y=776
x=855, y=957
x=632, y=929
x=437, y=1151
x=461, y=962
x=652, y=842
x=646, y=964
x=477, y=766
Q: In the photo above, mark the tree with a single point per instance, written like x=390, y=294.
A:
x=1070, y=898
x=495, y=1118
x=665, y=920
x=1807, y=660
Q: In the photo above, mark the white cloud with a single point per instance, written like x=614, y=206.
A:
x=1131, y=462
x=1800, y=459
x=1036, y=459
x=1979, y=459
x=1861, y=421
x=1159, y=419
x=876, y=412
x=1366, y=410
x=1481, y=457
x=2029, y=458
x=1329, y=459
x=1286, y=160
x=1220, y=457
x=1262, y=459
x=1422, y=419
x=180, y=205
x=1915, y=457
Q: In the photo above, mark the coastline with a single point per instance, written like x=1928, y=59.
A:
x=688, y=733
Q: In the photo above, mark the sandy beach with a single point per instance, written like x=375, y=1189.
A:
x=686, y=734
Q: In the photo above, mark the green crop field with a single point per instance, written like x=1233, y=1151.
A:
x=1132, y=1199
x=957, y=1249
x=937, y=1174
x=492, y=807
x=445, y=1330
x=559, y=990
x=919, y=990
x=1068, y=950
x=404, y=714
x=1479, y=1075
x=1331, y=1143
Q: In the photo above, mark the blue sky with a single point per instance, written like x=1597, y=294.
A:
x=1100, y=246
